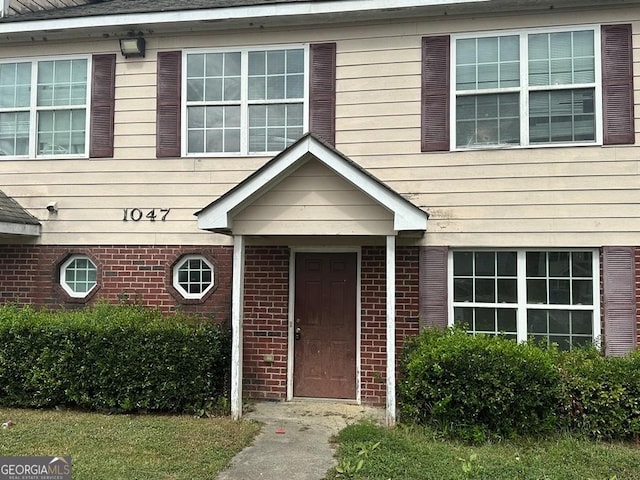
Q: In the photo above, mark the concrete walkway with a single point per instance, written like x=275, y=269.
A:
x=294, y=443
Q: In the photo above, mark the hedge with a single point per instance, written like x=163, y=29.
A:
x=601, y=395
x=477, y=388
x=481, y=388
x=111, y=358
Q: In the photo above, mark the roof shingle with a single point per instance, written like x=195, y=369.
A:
x=12, y=212
x=119, y=7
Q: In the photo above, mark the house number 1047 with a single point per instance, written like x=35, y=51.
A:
x=135, y=214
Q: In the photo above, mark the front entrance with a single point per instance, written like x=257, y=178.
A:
x=325, y=325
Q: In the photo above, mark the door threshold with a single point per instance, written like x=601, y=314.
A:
x=347, y=401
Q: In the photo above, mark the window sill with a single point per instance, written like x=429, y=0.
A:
x=525, y=147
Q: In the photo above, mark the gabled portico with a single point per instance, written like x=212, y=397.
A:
x=307, y=193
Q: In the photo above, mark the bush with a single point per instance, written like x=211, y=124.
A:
x=601, y=395
x=115, y=358
x=478, y=388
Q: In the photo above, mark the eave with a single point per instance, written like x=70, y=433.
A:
x=272, y=15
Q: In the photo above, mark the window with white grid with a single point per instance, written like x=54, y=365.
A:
x=78, y=276
x=548, y=296
x=193, y=276
x=244, y=101
x=526, y=88
x=43, y=107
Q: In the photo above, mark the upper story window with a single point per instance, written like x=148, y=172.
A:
x=244, y=101
x=43, y=107
x=529, y=88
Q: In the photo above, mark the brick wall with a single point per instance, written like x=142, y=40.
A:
x=141, y=274
x=374, y=357
x=266, y=310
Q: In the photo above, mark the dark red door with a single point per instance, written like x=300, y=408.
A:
x=325, y=322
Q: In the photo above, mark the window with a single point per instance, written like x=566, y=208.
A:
x=529, y=88
x=78, y=276
x=244, y=101
x=43, y=107
x=550, y=296
x=612, y=107
x=193, y=276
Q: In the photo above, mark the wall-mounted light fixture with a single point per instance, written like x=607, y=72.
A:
x=132, y=47
x=52, y=207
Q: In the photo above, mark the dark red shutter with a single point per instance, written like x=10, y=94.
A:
x=322, y=91
x=435, y=94
x=168, y=104
x=617, y=85
x=103, y=88
x=619, y=298
x=433, y=287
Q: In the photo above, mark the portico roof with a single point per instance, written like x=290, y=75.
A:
x=15, y=220
x=219, y=215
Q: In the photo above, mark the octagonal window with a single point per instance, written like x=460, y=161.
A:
x=78, y=276
x=193, y=276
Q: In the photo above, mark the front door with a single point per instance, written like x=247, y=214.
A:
x=325, y=325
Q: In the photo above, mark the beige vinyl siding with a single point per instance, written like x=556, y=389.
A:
x=585, y=196
x=314, y=201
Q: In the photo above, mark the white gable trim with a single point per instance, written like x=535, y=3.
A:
x=218, y=216
x=9, y=228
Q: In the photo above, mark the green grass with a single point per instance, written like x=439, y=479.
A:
x=408, y=453
x=122, y=447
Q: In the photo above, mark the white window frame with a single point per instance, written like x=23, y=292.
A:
x=33, y=108
x=524, y=89
x=521, y=305
x=63, y=282
x=244, y=101
x=176, y=282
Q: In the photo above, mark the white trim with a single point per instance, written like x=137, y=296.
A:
x=219, y=214
x=524, y=88
x=291, y=320
x=8, y=228
x=307, y=9
x=243, y=102
x=176, y=281
x=63, y=282
x=597, y=326
x=291, y=323
x=237, y=304
x=391, y=330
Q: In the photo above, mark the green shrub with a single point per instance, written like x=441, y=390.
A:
x=115, y=358
x=478, y=387
x=601, y=395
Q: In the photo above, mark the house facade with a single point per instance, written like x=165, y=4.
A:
x=357, y=169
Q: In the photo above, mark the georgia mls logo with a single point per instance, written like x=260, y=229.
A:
x=35, y=468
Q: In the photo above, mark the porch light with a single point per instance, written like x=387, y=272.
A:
x=132, y=47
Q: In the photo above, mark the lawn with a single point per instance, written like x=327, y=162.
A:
x=123, y=447
x=417, y=453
